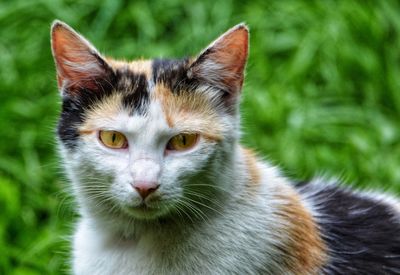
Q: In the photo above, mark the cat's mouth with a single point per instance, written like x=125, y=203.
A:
x=144, y=210
x=144, y=206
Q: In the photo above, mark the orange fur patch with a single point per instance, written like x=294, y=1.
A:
x=188, y=112
x=101, y=112
x=305, y=248
x=136, y=66
x=85, y=132
x=251, y=163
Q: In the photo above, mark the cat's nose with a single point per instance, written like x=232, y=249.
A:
x=145, y=188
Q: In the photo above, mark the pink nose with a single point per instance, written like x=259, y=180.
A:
x=145, y=188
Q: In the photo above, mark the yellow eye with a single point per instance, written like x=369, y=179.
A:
x=182, y=142
x=113, y=139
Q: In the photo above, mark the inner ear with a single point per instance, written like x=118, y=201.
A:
x=79, y=65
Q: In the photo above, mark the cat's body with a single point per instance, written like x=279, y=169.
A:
x=164, y=187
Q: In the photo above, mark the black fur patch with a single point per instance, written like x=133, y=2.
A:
x=173, y=74
x=362, y=234
x=135, y=90
x=132, y=86
x=71, y=115
x=75, y=104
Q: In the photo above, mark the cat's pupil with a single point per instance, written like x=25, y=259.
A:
x=183, y=140
x=114, y=136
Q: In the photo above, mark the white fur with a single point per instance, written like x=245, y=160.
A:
x=384, y=198
x=229, y=232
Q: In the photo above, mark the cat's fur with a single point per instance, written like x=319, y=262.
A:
x=219, y=209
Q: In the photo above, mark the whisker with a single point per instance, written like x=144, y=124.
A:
x=208, y=185
x=204, y=205
x=201, y=196
x=195, y=210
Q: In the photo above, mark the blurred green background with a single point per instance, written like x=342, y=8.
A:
x=322, y=96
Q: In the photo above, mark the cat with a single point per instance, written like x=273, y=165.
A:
x=152, y=150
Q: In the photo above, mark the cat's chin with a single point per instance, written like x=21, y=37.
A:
x=145, y=212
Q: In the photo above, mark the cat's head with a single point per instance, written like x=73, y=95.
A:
x=149, y=138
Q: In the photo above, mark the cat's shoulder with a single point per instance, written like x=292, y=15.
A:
x=360, y=228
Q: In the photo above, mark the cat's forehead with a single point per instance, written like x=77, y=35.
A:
x=138, y=80
x=169, y=72
x=143, y=66
x=158, y=91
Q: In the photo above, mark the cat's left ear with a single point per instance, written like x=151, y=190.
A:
x=223, y=62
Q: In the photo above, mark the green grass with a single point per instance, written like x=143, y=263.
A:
x=322, y=96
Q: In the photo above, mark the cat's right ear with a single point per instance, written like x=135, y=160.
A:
x=79, y=65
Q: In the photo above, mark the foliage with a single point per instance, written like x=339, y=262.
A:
x=322, y=95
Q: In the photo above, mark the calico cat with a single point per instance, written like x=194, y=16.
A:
x=164, y=187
